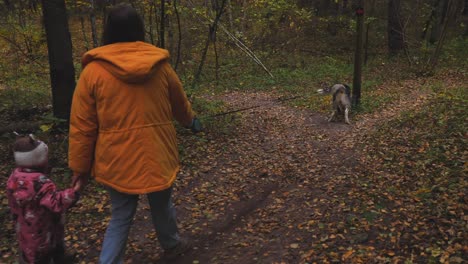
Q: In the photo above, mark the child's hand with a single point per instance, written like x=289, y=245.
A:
x=79, y=180
x=77, y=186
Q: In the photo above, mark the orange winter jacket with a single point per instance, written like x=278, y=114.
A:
x=121, y=118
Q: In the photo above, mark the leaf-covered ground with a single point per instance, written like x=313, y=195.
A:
x=280, y=184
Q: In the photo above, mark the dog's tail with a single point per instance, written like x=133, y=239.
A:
x=339, y=91
x=348, y=90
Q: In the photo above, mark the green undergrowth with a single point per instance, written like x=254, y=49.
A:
x=302, y=75
x=427, y=147
x=455, y=54
x=210, y=113
x=24, y=93
x=374, y=97
x=292, y=73
x=415, y=177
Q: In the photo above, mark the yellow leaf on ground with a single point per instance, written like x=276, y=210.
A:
x=45, y=128
x=348, y=254
x=295, y=245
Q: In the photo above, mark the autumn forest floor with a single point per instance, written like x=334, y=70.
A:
x=280, y=184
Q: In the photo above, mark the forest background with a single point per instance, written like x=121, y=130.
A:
x=289, y=48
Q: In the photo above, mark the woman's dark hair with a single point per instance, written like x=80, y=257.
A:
x=123, y=24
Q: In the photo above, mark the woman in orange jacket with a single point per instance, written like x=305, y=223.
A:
x=121, y=130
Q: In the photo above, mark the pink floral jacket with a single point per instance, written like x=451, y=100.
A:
x=37, y=209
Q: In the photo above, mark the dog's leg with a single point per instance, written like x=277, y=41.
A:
x=346, y=116
x=332, y=116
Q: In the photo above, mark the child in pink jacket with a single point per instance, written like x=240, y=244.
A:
x=36, y=205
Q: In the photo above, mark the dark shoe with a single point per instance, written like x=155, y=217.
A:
x=182, y=247
x=62, y=257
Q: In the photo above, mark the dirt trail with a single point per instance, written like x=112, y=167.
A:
x=267, y=192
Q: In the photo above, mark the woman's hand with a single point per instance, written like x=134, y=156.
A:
x=196, y=125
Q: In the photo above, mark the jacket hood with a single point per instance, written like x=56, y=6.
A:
x=131, y=62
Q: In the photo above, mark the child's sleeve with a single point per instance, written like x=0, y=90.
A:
x=20, y=193
x=57, y=201
x=12, y=202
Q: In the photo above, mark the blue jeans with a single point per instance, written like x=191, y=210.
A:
x=123, y=209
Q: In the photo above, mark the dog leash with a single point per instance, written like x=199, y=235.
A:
x=252, y=107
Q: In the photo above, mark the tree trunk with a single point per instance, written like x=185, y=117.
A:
x=229, y=10
x=366, y=43
x=465, y=17
x=395, y=28
x=356, y=98
x=324, y=8
x=170, y=37
x=217, y=62
x=82, y=23
x=211, y=38
x=437, y=22
x=92, y=19
x=59, y=45
x=7, y=3
x=179, y=30
x=202, y=62
x=151, y=22
x=370, y=12
x=305, y=4
x=83, y=31
x=162, y=31
x=429, y=21
x=452, y=11
x=244, y=16
x=345, y=4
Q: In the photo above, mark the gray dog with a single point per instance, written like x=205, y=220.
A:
x=341, y=100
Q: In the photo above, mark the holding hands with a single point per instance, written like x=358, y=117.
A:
x=79, y=181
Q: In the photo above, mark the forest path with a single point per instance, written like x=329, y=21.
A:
x=270, y=191
x=283, y=185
